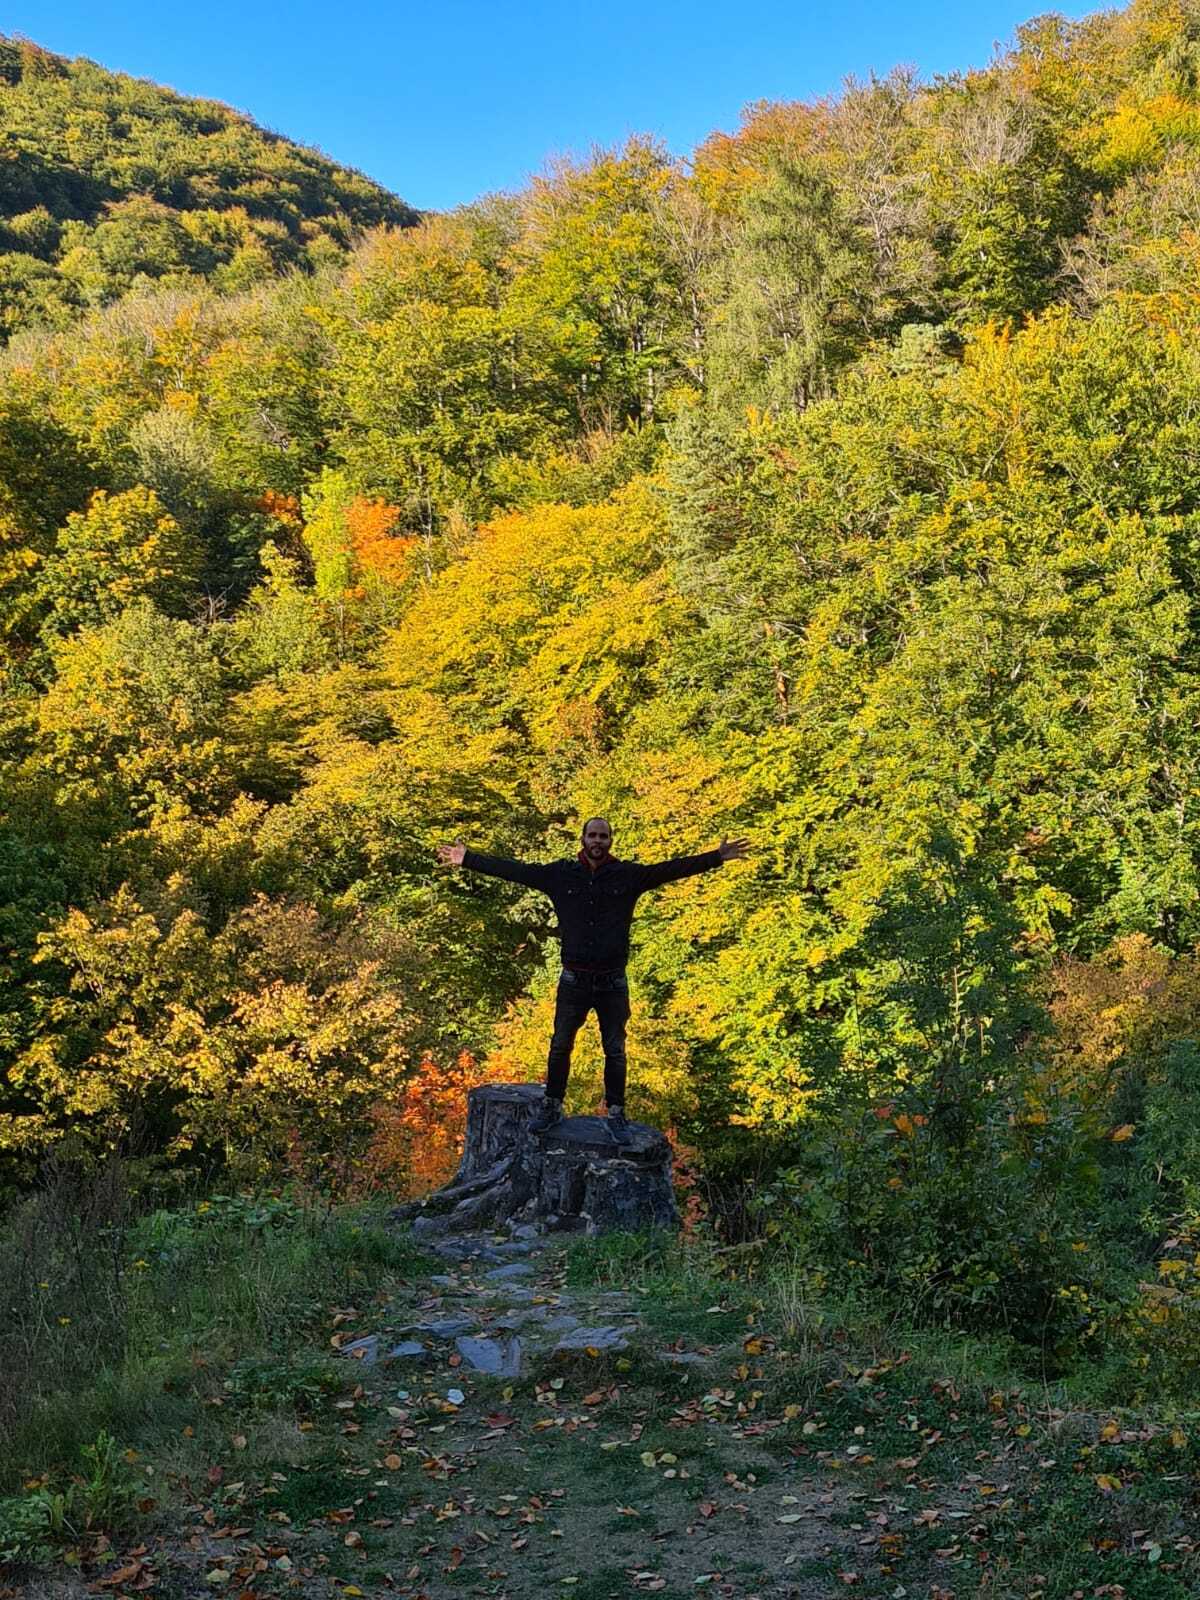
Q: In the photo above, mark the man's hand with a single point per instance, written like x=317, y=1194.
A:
x=734, y=849
x=451, y=855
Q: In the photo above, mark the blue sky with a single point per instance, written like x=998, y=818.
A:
x=446, y=100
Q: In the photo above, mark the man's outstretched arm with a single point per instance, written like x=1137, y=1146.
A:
x=655, y=873
x=534, y=874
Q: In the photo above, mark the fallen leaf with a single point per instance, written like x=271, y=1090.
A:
x=122, y=1575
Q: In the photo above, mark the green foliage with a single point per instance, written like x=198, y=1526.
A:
x=111, y=181
x=107, y=1305
x=263, y=1383
x=279, y=629
x=123, y=548
x=98, y=1498
x=839, y=488
x=799, y=277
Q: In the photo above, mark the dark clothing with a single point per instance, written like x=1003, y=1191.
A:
x=579, y=993
x=595, y=906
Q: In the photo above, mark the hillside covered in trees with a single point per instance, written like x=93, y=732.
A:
x=109, y=182
x=838, y=486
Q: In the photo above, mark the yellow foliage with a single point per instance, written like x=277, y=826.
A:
x=1130, y=999
x=544, y=627
x=1140, y=132
x=662, y=1087
x=278, y=1023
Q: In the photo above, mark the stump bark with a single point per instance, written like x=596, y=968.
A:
x=574, y=1178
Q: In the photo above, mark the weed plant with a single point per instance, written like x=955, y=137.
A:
x=113, y=1322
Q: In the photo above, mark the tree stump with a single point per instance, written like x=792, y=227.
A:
x=574, y=1178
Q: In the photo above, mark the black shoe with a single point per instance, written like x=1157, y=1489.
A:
x=550, y=1113
x=617, y=1126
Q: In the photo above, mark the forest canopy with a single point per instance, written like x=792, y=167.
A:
x=838, y=485
x=109, y=183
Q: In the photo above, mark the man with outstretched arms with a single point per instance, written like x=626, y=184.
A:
x=594, y=896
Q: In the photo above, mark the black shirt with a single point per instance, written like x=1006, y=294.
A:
x=595, y=907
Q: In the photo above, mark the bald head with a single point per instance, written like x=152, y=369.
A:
x=597, y=838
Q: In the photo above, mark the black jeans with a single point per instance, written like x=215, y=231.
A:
x=578, y=993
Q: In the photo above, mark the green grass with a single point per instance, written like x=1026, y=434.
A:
x=221, y=1398
x=148, y=1341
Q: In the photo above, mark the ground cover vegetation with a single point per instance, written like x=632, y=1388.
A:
x=248, y=1424
x=838, y=486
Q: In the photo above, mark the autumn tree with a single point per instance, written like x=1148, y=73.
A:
x=124, y=547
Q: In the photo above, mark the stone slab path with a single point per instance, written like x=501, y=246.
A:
x=502, y=1304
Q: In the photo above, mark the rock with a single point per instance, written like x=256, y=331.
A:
x=683, y=1358
x=499, y=1356
x=465, y=1250
x=510, y=1273
x=365, y=1350
x=422, y=1226
x=562, y=1323
x=592, y=1339
x=446, y=1327
x=409, y=1350
x=525, y=1230
x=518, y=1319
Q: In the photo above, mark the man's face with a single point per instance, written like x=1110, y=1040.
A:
x=597, y=840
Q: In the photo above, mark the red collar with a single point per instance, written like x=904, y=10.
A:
x=595, y=867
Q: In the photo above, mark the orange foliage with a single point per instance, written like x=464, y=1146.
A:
x=378, y=550
x=1126, y=1002
x=284, y=508
x=727, y=164
x=417, y=1141
x=685, y=1175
